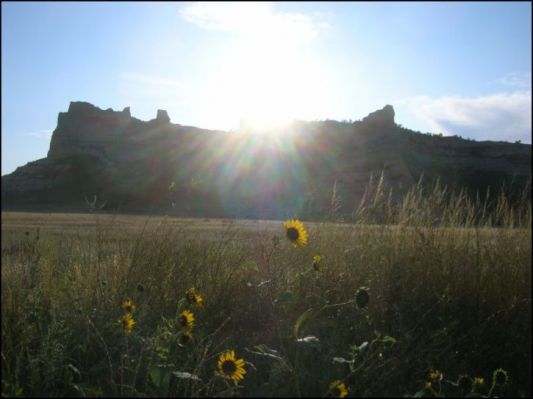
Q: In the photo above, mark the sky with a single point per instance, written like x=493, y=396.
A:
x=446, y=67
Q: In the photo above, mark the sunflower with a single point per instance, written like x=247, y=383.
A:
x=193, y=298
x=128, y=306
x=316, y=260
x=127, y=323
x=230, y=367
x=186, y=320
x=338, y=388
x=296, y=233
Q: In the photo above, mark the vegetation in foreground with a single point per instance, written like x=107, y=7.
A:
x=434, y=301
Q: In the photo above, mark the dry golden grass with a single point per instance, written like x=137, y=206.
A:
x=449, y=296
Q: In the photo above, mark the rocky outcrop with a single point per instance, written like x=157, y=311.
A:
x=162, y=116
x=130, y=163
x=87, y=130
x=382, y=118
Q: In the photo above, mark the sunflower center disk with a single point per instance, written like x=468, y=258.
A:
x=292, y=234
x=229, y=367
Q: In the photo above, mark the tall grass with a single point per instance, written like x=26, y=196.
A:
x=448, y=290
x=434, y=205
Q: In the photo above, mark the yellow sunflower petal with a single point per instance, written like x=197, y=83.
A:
x=296, y=232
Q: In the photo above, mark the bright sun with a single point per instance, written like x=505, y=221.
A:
x=271, y=87
x=267, y=81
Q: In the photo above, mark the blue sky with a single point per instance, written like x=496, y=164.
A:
x=456, y=68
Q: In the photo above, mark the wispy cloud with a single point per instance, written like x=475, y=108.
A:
x=499, y=116
x=253, y=19
x=516, y=80
x=43, y=134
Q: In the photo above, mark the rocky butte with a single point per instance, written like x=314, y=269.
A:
x=130, y=164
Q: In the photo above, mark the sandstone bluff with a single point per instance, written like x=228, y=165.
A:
x=129, y=164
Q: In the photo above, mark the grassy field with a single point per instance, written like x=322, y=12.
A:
x=449, y=304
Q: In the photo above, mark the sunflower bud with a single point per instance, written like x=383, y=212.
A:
x=362, y=297
x=316, y=262
x=500, y=376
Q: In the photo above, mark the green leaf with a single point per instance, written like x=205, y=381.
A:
x=285, y=298
x=155, y=376
x=304, y=317
x=160, y=378
x=388, y=340
x=252, y=266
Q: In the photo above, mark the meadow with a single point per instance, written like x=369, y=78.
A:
x=426, y=297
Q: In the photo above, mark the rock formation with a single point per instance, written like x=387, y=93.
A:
x=162, y=116
x=130, y=164
x=382, y=118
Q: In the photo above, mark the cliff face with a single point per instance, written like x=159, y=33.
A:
x=86, y=130
x=130, y=164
